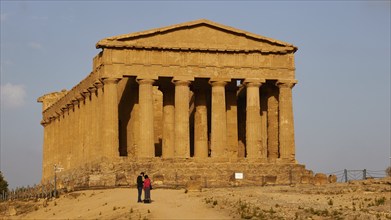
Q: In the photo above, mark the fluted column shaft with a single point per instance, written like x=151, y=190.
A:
x=232, y=121
x=200, y=124
x=182, y=126
x=72, y=142
x=272, y=122
x=110, y=115
x=57, y=134
x=81, y=123
x=68, y=147
x=46, y=148
x=133, y=138
x=90, y=150
x=146, y=147
x=95, y=113
x=168, y=121
x=219, y=120
x=76, y=133
x=286, y=126
x=63, y=150
x=253, y=121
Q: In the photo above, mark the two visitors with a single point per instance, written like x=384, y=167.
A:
x=146, y=185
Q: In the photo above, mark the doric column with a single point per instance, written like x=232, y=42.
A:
x=146, y=147
x=253, y=120
x=72, y=133
x=110, y=115
x=232, y=120
x=200, y=124
x=68, y=139
x=48, y=151
x=44, y=124
x=76, y=133
x=81, y=124
x=168, y=120
x=272, y=123
x=133, y=128
x=64, y=137
x=96, y=120
x=219, y=120
x=182, y=126
x=88, y=138
x=57, y=134
x=286, y=127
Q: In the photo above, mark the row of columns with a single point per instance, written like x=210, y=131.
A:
x=176, y=139
x=84, y=129
x=90, y=123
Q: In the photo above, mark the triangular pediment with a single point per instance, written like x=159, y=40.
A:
x=197, y=35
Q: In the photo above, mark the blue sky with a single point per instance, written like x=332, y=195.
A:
x=341, y=103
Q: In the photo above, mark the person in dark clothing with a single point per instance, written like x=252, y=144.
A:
x=140, y=185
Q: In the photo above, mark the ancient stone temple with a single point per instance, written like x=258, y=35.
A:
x=194, y=101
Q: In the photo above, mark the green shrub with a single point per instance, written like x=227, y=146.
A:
x=3, y=183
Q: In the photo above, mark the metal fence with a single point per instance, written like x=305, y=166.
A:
x=346, y=175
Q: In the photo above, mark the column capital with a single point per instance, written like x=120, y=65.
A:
x=110, y=80
x=80, y=97
x=250, y=82
x=253, y=84
x=52, y=118
x=217, y=83
x=286, y=83
x=145, y=81
x=70, y=105
x=75, y=102
x=44, y=122
x=181, y=82
x=92, y=89
x=59, y=113
x=86, y=93
x=64, y=108
x=98, y=84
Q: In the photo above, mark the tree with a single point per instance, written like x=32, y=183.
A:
x=3, y=183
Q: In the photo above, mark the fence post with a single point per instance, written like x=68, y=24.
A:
x=345, y=171
x=364, y=174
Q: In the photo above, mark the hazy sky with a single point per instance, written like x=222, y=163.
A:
x=341, y=103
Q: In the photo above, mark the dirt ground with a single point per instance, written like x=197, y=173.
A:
x=369, y=199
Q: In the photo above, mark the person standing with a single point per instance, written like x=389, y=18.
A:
x=140, y=184
x=147, y=189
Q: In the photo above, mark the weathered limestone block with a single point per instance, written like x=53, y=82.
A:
x=194, y=184
x=70, y=186
x=332, y=178
x=320, y=179
x=269, y=180
x=102, y=180
x=307, y=179
x=120, y=180
x=158, y=179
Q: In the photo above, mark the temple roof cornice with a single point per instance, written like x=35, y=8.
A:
x=183, y=38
